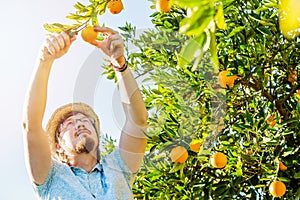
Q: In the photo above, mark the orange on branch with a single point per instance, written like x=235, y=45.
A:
x=271, y=121
x=282, y=167
x=115, y=6
x=292, y=76
x=277, y=189
x=179, y=154
x=225, y=80
x=195, y=145
x=163, y=5
x=218, y=160
x=88, y=34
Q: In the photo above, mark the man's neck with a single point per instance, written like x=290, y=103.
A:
x=83, y=161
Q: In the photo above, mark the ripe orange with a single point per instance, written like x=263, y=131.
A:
x=218, y=160
x=292, y=76
x=225, y=80
x=115, y=6
x=88, y=34
x=195, y=145
x=282, y=167
x=163, y=5
x=250, y=151
x=277, y=188
x=179, y=154
x=297, y=96
x=271, y=121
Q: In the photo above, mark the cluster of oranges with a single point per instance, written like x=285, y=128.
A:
x=113, y=6
x=179, y=155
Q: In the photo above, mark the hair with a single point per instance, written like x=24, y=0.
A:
x=63, y=157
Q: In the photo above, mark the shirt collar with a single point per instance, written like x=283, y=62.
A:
x=76, y=170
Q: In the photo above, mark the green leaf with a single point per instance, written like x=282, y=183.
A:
x=190, y=50
x=236, y=30
x=176, y=167
x=195, y=26
x=284, y=179
x=264, y=30
x=56, y=27
x=297, y=175
x=219, y=18
x=189, y=3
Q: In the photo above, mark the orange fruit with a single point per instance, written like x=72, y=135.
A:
x=163, y=5
x=282, y=167
x=271, y=121
x=218, y=160
x=277, y=188
x=115, y=6
x=292, y=76
x=195, y=145
x=179, y=154
x=297, y=96
x=250, y=151
x=225, y=80
x=88, y=34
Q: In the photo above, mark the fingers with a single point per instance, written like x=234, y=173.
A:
x=105, y=30
x=57, y=42
x=116, y=48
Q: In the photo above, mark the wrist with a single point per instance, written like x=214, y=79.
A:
x=45, y=62
x=120, y=64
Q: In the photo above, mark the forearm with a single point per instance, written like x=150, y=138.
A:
x=35, y=101
x=131, y=98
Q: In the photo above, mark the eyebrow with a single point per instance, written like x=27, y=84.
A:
x=68, y=119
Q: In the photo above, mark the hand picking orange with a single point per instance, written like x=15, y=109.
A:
x=115, y=6
x=88, y=34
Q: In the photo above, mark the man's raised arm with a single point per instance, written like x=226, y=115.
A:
x=37, y=149
x=132, y=143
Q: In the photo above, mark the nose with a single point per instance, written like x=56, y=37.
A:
x=79, y=124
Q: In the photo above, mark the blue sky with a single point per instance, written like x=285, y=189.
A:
x=22, y=34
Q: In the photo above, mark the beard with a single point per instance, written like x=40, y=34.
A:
x=85, y=145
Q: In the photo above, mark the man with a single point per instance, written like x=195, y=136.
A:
x=63, y=161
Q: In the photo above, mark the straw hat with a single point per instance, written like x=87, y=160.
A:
x=60, y=115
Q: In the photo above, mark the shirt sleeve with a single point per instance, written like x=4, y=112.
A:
x=114, y=160
x=42, y=190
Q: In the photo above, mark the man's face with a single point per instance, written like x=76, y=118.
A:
x=77, y=135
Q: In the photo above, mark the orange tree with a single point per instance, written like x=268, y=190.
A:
x=255, y=123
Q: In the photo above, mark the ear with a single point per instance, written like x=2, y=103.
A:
x=59, y=149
